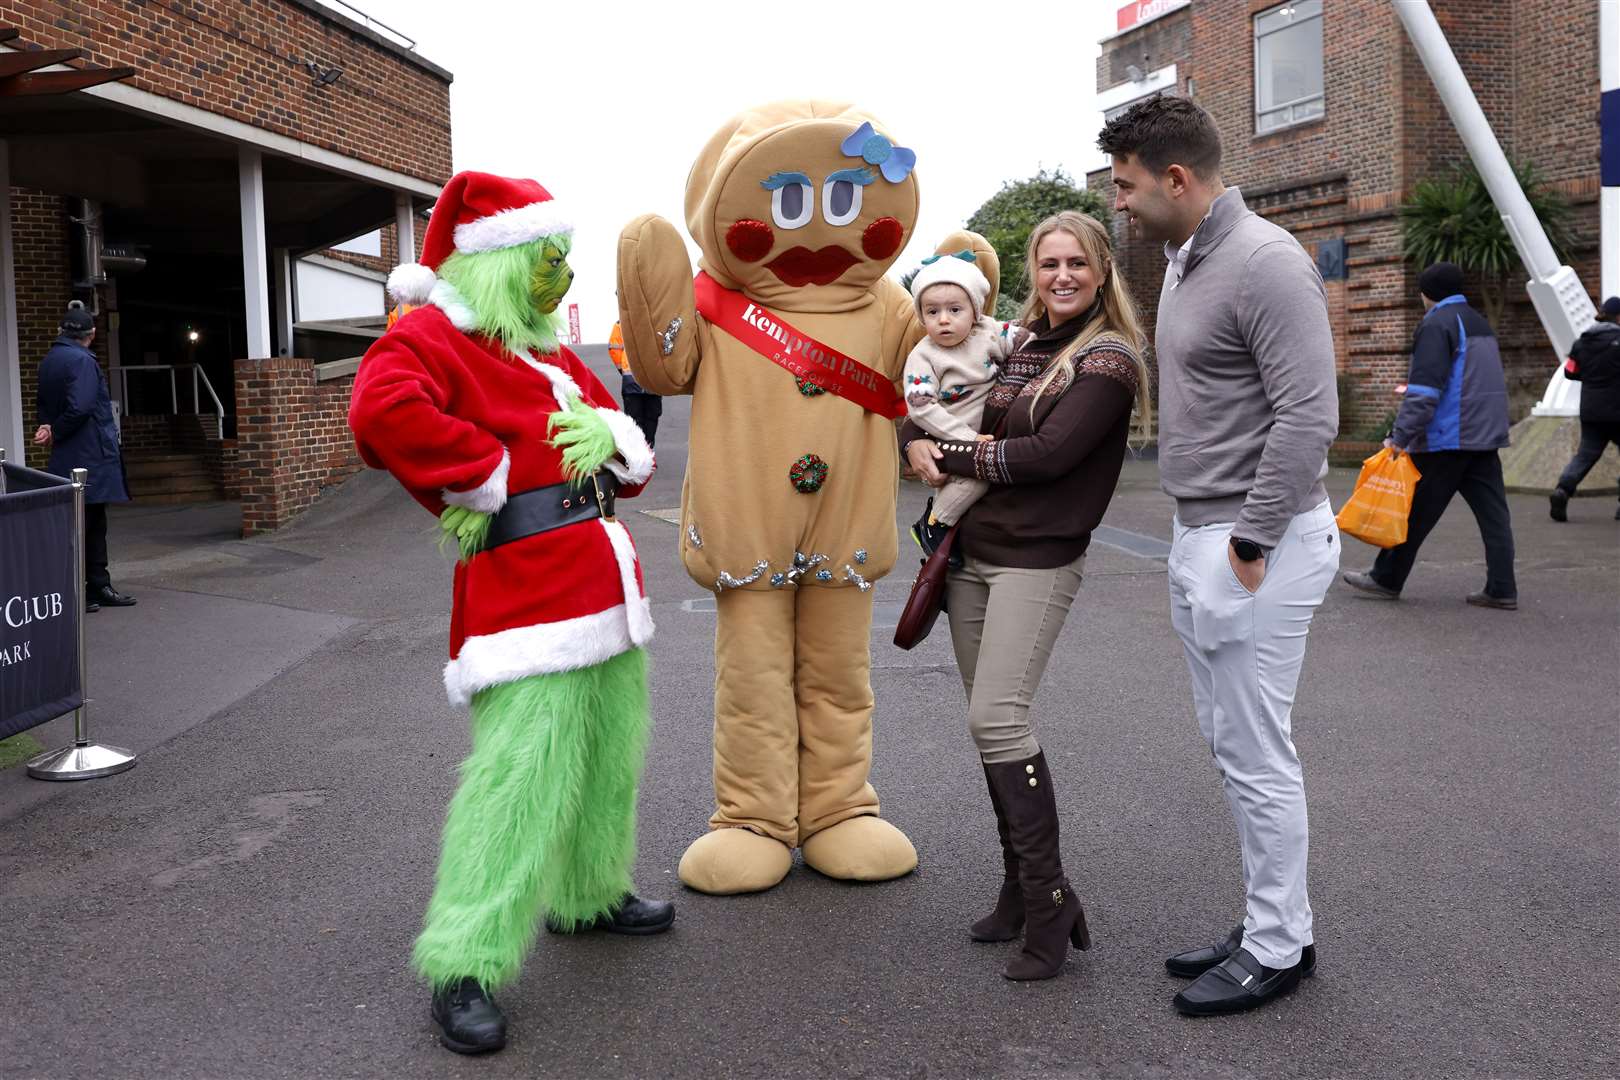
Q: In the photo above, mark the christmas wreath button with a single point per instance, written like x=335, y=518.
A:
x=808, y=474
x=809, y=388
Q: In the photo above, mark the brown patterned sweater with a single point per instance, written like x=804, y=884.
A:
x=1051, y=478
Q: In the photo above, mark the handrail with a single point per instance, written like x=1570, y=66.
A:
x=199, y=378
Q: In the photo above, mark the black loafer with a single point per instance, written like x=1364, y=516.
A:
x=1237, y=984
x=632, y=915
x=1194, y=962
x=1485, y=599
x=107, y=596
x=469, y=1020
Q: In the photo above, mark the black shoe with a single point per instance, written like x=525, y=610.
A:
x=929, y=535
x=1501, y=603
x=1363, y=580
x=1238, y=983
x=107, y=596
x=469, y=1019
x=632, y=915
x=1558, y=504
x=1194, y=962
x=91, y=605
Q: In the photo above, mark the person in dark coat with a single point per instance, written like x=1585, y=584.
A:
x=1453, y=420
x=76, y=422
x=1594, y=362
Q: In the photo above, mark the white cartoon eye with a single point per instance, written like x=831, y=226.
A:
x=793, y=200
x=841, y=195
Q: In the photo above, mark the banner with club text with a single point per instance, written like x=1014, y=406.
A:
x=39, y=608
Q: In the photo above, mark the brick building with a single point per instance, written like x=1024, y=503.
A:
x=173, y=163
x=1328, y=120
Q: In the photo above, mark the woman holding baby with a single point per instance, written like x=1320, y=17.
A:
x=1059, y=414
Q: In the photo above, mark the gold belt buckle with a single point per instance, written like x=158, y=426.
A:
x=601, y=499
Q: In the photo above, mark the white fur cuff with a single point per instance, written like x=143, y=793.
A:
x=632, y=444
x=411, y=283
x=509, y=228
x=488, y=497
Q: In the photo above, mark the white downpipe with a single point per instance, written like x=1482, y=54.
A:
x=1560, y=300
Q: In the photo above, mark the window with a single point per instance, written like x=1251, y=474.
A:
x=1287, y=65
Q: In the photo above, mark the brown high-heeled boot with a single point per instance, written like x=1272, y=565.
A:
x=1007, y=919
x=1053, y=916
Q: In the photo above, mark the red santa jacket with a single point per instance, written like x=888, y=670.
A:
x=461, y=421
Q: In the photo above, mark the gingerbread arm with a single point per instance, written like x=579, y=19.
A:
x=657, y=313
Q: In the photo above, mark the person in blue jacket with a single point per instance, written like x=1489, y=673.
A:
x=1452, y=420
x=76, y=422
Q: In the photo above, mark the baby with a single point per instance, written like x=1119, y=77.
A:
x=949, y=374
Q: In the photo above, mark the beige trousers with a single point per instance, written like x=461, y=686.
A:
x=792, y=710
x=1004, y=621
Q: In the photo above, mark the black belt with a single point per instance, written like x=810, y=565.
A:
x=542, y=509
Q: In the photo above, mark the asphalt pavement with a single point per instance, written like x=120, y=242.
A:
x=242, y=903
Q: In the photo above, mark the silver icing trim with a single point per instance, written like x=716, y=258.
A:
x=726, y=581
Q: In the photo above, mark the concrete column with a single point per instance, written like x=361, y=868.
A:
x=286, y=285
x=405, y=227
x=13, y=435
x=255, y=257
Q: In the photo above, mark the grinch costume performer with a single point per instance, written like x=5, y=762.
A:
x=487, y=422
x=791, y=341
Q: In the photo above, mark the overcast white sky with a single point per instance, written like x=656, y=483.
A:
x=606, y=103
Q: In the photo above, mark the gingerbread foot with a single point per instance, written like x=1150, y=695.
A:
x=860, y=849
x=728, y=861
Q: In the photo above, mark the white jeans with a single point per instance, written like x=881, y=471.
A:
x=1244, y=651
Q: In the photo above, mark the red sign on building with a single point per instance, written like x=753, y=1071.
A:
x=573, y=324
x=1140, y=11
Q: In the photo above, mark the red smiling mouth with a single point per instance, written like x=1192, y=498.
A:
x=800, y=266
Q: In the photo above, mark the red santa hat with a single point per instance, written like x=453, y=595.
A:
x=477, y=212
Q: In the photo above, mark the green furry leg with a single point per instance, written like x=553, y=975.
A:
x=544, y=819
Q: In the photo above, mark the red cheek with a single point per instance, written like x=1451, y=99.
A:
x=882, y=238
x=750, y=240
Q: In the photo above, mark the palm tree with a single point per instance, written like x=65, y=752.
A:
x=1452, y=219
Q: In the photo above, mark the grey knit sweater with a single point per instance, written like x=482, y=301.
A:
x=1247, y=400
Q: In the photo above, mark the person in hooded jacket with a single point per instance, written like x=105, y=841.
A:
x=76, y=421
x=1452, y=420
x=1594, y=362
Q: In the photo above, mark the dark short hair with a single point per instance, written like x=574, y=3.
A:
x=1165, y=131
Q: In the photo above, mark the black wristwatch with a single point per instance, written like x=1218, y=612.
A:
x=1248, y=550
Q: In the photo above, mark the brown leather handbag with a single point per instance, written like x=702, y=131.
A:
x=927, y=597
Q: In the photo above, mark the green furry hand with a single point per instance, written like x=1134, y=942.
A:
x=584, y=438
x=465, y=528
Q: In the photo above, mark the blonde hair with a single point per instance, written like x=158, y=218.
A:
x=1113, y=313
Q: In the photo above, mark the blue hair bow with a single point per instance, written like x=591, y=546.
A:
x=894, y=162
x=965, y=255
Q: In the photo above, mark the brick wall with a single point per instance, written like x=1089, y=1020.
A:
x=1533, y=66
x=245, y=59
x=390, y=250
x=292, y=439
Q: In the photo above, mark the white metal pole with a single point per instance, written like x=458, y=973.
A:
x=1609, y=83
x=284, y=304
x=1561, y=302
x=255, y=256
x=405, y=227
x=11, y=406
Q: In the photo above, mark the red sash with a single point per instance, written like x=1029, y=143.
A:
x=795, y=351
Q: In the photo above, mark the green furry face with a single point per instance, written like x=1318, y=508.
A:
x=551, y=278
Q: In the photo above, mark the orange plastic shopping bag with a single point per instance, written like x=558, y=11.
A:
x=1377, y=511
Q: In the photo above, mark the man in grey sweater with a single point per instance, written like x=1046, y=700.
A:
x=1247, y=409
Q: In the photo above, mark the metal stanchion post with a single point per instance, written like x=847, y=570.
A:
x=84, y=760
